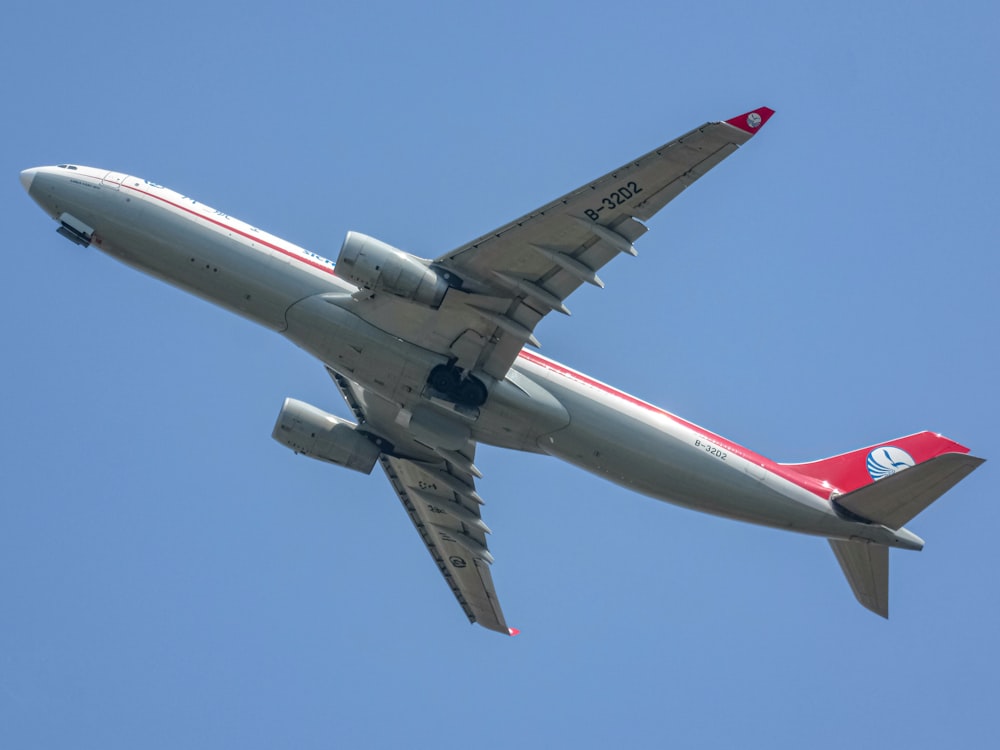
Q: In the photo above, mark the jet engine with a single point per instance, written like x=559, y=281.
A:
x=378, y=267
x=314, y=433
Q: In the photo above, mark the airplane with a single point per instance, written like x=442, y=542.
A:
x=432, y=359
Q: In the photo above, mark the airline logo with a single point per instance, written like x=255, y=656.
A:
x=887, y=460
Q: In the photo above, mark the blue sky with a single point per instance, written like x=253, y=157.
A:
x=171, y=577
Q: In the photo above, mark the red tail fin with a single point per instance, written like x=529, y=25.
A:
x=851, y=471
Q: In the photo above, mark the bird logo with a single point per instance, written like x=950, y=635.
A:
x=888, y=460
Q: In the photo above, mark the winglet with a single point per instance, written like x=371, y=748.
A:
x=513, y=631
x=751, y=122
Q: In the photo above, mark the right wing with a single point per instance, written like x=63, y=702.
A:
x=532, y=265
x=439, y=494
x=515, y=275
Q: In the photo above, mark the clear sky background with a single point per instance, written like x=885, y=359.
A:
x=171, y=577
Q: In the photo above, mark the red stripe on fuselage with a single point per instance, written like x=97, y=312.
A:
x=236, y=230
x=807, y=483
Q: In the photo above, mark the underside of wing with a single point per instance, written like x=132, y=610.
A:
x=505, y=282
x=438, y=504
x=437, y=489
x=532, y=265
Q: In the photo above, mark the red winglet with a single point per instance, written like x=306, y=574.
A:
x=513, y=631
x=751, y=122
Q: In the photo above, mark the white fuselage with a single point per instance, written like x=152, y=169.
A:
x=542, y=406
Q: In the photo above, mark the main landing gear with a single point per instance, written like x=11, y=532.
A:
x=448, y=380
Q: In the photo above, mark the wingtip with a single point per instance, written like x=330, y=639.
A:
x=513, y=631
x=752, y=121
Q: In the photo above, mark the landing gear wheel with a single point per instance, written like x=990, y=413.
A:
x=471, y=392
x=446, y=379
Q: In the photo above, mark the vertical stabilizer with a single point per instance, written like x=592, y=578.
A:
x=866, y=566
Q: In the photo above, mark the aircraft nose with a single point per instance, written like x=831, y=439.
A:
x=27, y=177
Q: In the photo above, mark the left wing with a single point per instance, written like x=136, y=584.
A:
x=437, y=501
x=438, y=491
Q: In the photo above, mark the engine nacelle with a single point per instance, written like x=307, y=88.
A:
x=378, y=267
x=314, y=433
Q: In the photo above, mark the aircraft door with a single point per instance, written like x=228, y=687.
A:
x=113, y=180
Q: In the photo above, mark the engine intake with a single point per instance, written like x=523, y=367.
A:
x=314, y=433
x=378, y=267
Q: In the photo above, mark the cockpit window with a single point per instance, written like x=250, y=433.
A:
x=65, y=166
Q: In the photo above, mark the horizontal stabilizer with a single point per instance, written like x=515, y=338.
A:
x=859, y=468
x=866, y=566
x=895, y=499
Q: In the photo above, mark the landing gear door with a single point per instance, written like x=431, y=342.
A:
x=113, y=180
